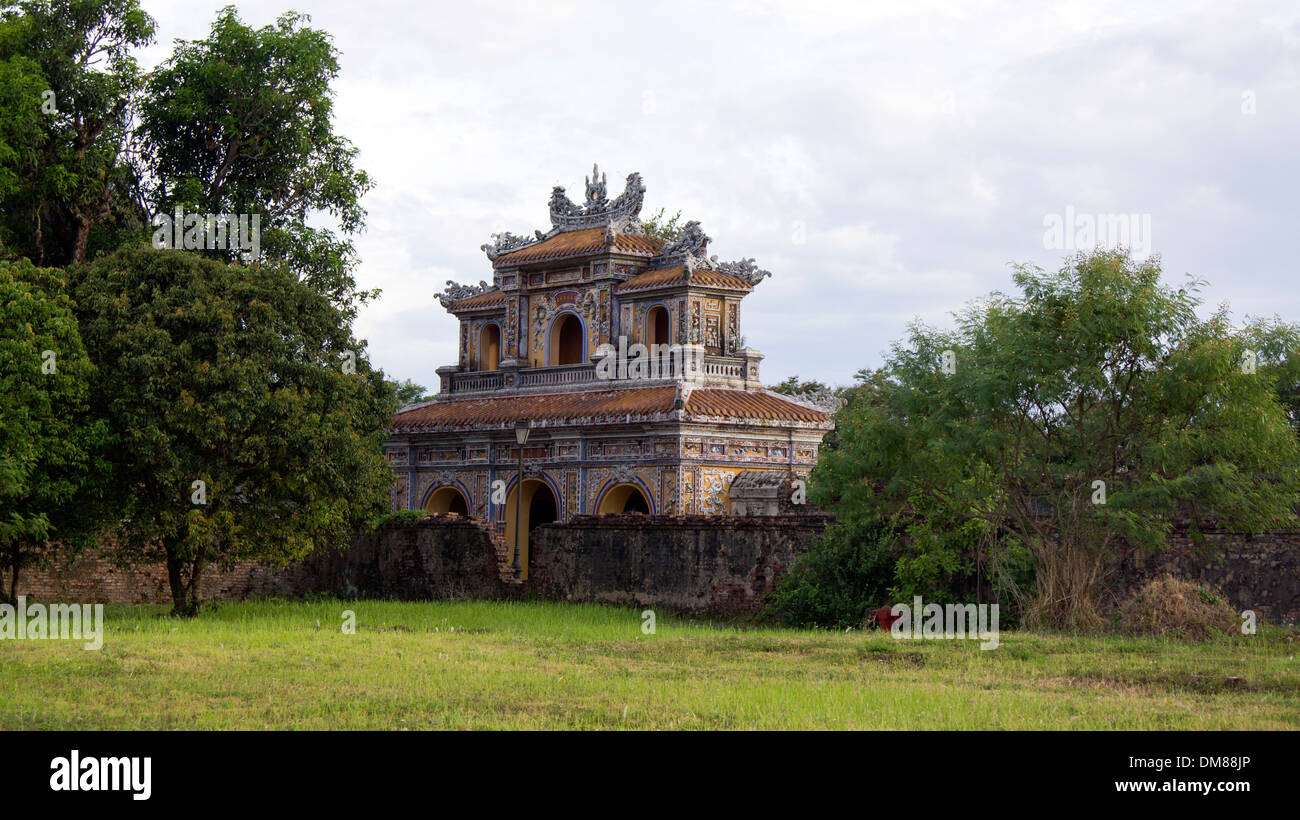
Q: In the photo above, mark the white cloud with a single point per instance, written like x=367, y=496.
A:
x=919, y=144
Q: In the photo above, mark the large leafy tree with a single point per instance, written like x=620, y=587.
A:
x=249, y=418
x=240, y=123
x=661, y=226
x=67, y=84
x=22, y=131
x=1273, y=347
x=51, y=450
x=1093, y=408
x=409, y=392
x=244, y=378
x=803, y=388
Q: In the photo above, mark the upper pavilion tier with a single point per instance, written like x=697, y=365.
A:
x=597, y=285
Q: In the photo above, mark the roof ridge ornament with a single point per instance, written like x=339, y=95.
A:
x=689, y=249
x=744, y=268
x=506, y=242
x=683, y=395
x=596, y=188
x=599, y=211
x=622, y=216
x=455, y=292
x=823, y=398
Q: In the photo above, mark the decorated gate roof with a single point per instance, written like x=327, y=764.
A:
x=614, y=406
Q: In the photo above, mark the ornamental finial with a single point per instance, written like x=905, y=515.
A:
x=599, y=211
x=595, y=187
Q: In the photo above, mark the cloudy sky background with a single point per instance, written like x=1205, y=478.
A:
x=886, y=161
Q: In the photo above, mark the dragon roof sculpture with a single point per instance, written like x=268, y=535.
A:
x=622, y=213
x=620, y=216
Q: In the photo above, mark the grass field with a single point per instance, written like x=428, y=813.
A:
x=487, y=665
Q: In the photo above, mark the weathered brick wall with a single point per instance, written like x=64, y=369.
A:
x=1259, y=572
x=437, y=558
x=434, y=559
x=719, y=565
x=707, y=564
x=92, y=578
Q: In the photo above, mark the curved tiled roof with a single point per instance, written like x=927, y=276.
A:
x=664, y=277
x=579, y=243
x=742, y=404
x=559, y=407
x=493, y=298
x=602, y=406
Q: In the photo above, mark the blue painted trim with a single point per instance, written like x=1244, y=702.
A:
x=645, y=490
x=550, y=482
x=478, y=345
x=546, y=357
x=456, y=484
x=645, y=329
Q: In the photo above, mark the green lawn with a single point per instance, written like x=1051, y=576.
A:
x=488, y=665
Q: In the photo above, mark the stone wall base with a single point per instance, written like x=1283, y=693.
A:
x=715, y=565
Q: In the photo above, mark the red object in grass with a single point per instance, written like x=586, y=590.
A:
x=885, y=617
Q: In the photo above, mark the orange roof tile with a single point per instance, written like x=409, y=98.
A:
x=490, y=411
x=746, y=405
x=607, y=406
x=701, y=277
x=578, y=243
x=493, y=298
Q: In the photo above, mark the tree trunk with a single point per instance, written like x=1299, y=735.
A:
x=176, y=572
x=184, y=575
x=12, y=565
x=39, y=238
x=176, y=579
x=196, y=573
x=80, y=240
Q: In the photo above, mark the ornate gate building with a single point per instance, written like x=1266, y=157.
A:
x=622, y=356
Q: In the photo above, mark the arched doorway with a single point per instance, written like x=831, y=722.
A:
x=623, y=498
x=446, y=500
x=538, y=507
x=489, y=347
x=565, y=345
x=656, y=327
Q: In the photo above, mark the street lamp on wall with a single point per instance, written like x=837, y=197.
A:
x=522, y=428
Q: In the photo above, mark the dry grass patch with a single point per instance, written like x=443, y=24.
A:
x=1171, y=607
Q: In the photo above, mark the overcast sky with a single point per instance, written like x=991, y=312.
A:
x=885, y=161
